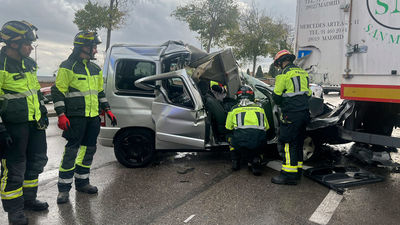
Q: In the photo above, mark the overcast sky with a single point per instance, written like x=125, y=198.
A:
x=149, y=23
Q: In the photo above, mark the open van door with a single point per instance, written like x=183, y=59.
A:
x=221, y=67
x=177, y=111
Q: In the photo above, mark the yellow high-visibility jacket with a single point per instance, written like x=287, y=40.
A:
x=249, y=124
x=20, y=96
x=78, y=90
x=292, y=91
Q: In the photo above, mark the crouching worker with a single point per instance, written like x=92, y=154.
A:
x=248, y=124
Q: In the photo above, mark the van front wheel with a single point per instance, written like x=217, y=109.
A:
x=134, y=147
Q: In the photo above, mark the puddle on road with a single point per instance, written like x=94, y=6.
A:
x=180, y=155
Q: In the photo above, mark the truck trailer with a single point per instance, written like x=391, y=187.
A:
x=355, y=45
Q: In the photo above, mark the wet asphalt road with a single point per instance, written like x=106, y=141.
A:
x=202, y=189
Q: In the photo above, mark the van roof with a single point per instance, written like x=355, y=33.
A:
x=144, y=50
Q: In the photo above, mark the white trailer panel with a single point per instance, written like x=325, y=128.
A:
x=355, y=43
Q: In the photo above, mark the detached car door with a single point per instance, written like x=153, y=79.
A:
x=177, y=111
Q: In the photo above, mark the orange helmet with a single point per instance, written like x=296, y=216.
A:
x=283, y=55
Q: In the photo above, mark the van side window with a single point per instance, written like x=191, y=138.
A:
x=129, y=70
x=177, y=92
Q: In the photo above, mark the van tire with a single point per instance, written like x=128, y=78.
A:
x=134, y=147
x=311, y=148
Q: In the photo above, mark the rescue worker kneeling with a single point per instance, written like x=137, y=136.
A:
x=78, y=95
x=248, y=124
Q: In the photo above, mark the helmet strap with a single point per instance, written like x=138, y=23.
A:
x=279, y=64
x=90, y=53
x=17, y=54
x=19, y=49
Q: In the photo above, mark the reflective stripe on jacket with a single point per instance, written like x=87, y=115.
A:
x=78, y=90
x=20, y=97
x=292, y=89
x=249, y=125
x=243, y=117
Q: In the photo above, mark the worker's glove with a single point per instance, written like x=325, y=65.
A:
x=5, y=138
x=43, y=123
x=112, y=118
x=63, y=122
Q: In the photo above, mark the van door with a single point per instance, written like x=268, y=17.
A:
x=177, y=111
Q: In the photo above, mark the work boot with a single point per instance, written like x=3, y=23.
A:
x=256, y=166
x=284, y=179
x=62, y=197
x=35, y=205
x=87, y=188
x=17, y=218
x=256, y=170
x=235, y=165
x=299, y=174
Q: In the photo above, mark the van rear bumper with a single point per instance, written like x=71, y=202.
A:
x=106, y=136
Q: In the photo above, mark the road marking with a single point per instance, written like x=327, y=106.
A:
x=189, y=218
x=325, y=210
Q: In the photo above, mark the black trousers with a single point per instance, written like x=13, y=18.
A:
x=79, y=152
x=291, y=139
x=21, y=165
x=239, y=153
x=246, y=154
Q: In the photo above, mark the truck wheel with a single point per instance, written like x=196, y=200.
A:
x=134, y=147
x=310, y=149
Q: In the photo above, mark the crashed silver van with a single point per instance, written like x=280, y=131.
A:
x=154, y=93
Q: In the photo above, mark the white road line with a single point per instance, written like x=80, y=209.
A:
x=189, y=218
x=325, y=210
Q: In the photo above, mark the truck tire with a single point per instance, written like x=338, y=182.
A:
x=134, y=147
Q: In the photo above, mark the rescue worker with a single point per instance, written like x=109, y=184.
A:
x=248, y=123
x=291, y=93
x=24, y=118
x=214, y=105
x=78, y=97
x=220, y=92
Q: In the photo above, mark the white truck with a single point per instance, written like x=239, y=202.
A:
x=355, y=45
